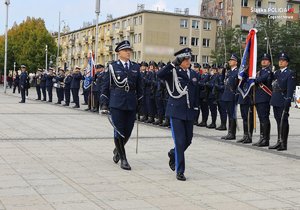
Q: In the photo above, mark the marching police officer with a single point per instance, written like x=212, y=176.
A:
x=122, y=92
x=96, y=86
x=67, y=87
x=230, y=96
x=263, y=87
x=203, y=94
x=182, y=105
x=16, y=82
x=283, y=88
x=212, y=95
x=220, y=91
x=38, y=77
x=23, y=82
x=75, y=86
x=49, y=83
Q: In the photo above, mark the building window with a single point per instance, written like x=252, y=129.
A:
x=289, y=6
x=244, y=19
x=135, y=21
x=194, y=58
x=183, y=23
x=140, y=20
x=139, y=54
x=207, y=25
x=258, y=3
x=204, y=59
x=195, y=24
x=205, y=42
x=124, y=24
x=183, y=40
x=244, y=3
x=135, y=38
x=271, y=4
x=139, y=38
x=194, y=41
x=221, y=5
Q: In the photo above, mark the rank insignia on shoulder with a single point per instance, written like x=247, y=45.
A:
x=194, y=79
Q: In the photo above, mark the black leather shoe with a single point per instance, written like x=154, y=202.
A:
x=221, y=128
x=202, y=124
x=180, y=177
x=116, y=156
x=281, y=148
x=84, y=104
x=125, y=165
x=276, y=146
x=248, y=140
x=66, y=105
x=171, y=161
x=87, y=109
x=230, y=136
x=75, y=107
x=58, y=103
x=212, y=125
x=22, y=102
x=242, y=140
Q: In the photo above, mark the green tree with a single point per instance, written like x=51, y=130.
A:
x=26, y=44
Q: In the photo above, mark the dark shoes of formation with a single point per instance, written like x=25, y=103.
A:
x=159, y=121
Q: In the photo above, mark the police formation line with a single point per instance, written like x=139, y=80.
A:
x=176, y=95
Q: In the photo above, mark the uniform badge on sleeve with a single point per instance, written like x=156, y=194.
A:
x=194, y=79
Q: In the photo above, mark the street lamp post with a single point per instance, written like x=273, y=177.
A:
x=58, y=42
x=46, y=60
x=7, y=2
x=97, y=11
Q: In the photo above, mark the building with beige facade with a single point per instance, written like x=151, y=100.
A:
x=246, y=13
x=154, y=35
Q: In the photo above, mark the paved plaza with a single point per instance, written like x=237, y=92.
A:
x=53, y=157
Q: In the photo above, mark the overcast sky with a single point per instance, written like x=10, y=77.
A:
x=75, y=12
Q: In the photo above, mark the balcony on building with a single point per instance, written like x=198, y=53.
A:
x=130, y=29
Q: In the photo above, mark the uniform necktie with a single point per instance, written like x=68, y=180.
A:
x=188, y=73
x=126, y=67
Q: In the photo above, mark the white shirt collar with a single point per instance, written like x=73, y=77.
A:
x=282, y=70
x=123, y=63
x=234, y=68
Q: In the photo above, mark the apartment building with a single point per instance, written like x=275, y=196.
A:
x=154, y=35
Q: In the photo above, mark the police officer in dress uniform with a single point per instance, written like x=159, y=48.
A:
x=212, y=95
x=143, y=109
x=159, y=94
x=122, y=92
x=203, y=94
x=220, y=91
x=263, y=87
x=150, y=91
x=49, y=83
x=67, y=87
x=96, y=88
x=38, y=77
x=230, y=96
x=196, y=68
x=43, y=85
x=182, y=85
x=246, y=108
x=23, y=82
x=282, y=93
x=75, y=86
x=60, y=83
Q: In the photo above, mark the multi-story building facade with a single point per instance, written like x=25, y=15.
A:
x=154, y=35
x=245, y=13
